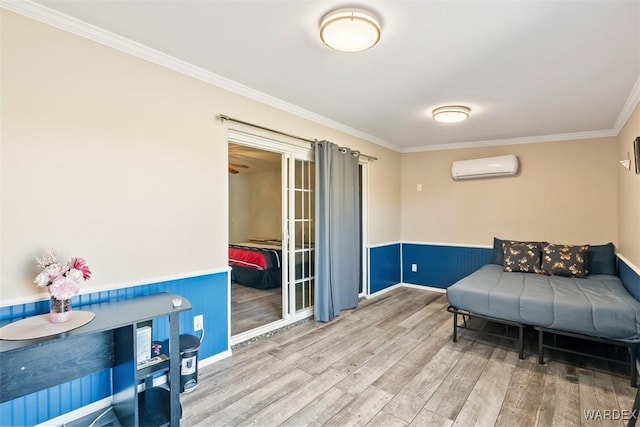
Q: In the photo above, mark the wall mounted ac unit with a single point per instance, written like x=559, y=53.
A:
x=486, y=167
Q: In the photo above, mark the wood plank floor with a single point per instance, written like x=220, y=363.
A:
x=252, y=307
x=391, y=362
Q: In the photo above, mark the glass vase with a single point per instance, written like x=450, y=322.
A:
x=60, y=310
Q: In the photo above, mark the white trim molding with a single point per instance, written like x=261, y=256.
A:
x=383, y=291
x=215, y=358
x=73, y=25
x=629, y=106
x=381, y=245
x=405, y=285
x=424, y=288
x=632, y=101
x=301, y=150
x=631, y=265
x=604, y=133
x=457, y=245
x=112, y=287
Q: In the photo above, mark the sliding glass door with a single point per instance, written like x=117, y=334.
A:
x=295, y=204
x=303, y=225
x=300, y=233
x=293, y=231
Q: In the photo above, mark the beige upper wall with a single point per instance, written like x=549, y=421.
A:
x=566, y=192
x=121, y=161
x=255, y=206
x=629, y=192
x=239, y=206
x=266, y=205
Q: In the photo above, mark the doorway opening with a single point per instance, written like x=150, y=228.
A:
x=255, y=232
x=272, y=212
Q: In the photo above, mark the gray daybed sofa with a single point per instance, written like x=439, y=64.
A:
x=594, y=306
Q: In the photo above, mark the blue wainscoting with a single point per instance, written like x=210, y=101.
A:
x=208, y=295
x=441, y=266
x=630, y=279
x=38, y=407
x=384, y=267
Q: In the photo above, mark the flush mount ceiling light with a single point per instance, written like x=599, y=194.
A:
x=350, y=30
x=451, y=113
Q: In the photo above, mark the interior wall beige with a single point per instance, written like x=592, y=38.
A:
x=239, y=206
x=566, y=192
x=265, y=205
x=629, y=192
x=122, y=162
x=255, y=206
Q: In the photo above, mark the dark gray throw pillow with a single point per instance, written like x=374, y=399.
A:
x=498, y=250
x=564, y=260
x=601, y=259
x=521, y=256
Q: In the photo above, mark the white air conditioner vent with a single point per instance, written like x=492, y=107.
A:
x=486, y=167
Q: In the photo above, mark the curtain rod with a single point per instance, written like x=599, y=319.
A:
x=223, y=117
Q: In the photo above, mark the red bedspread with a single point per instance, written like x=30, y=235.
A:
x=247, y=258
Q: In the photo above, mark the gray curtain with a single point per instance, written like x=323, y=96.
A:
x=337, y=243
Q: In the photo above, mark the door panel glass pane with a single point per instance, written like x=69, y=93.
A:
x=304, y=267
x=303, y=230
x=300, y=204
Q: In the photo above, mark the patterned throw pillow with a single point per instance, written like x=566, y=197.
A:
x=564, y=260
x=521, y=256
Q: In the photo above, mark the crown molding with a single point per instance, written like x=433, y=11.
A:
x=629, y=106
x=65, y=22
x=632, y=101
x=73, y=25
x=514, y=141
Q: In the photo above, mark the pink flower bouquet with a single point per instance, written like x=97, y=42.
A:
x=62, y=280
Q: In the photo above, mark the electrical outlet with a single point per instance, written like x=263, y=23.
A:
x=414, y=268
x=198, y=322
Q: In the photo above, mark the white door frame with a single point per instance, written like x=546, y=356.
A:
x=291, y=152
x=364, y=214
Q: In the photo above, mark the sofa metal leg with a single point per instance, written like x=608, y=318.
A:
x=540, y=347
x=521, y=342
x=455, y=327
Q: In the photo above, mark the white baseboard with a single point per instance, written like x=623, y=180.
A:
x=213, y=359
x=383, y=291
x=406, y=285
x=424, y=288
x=77, y=413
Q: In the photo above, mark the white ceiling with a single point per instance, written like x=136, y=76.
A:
x=529, y=70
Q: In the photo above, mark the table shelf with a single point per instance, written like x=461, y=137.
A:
x=108, y=341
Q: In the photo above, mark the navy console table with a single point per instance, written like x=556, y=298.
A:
x=108, y=341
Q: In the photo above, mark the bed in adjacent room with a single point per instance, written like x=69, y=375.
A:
x=257, y=265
